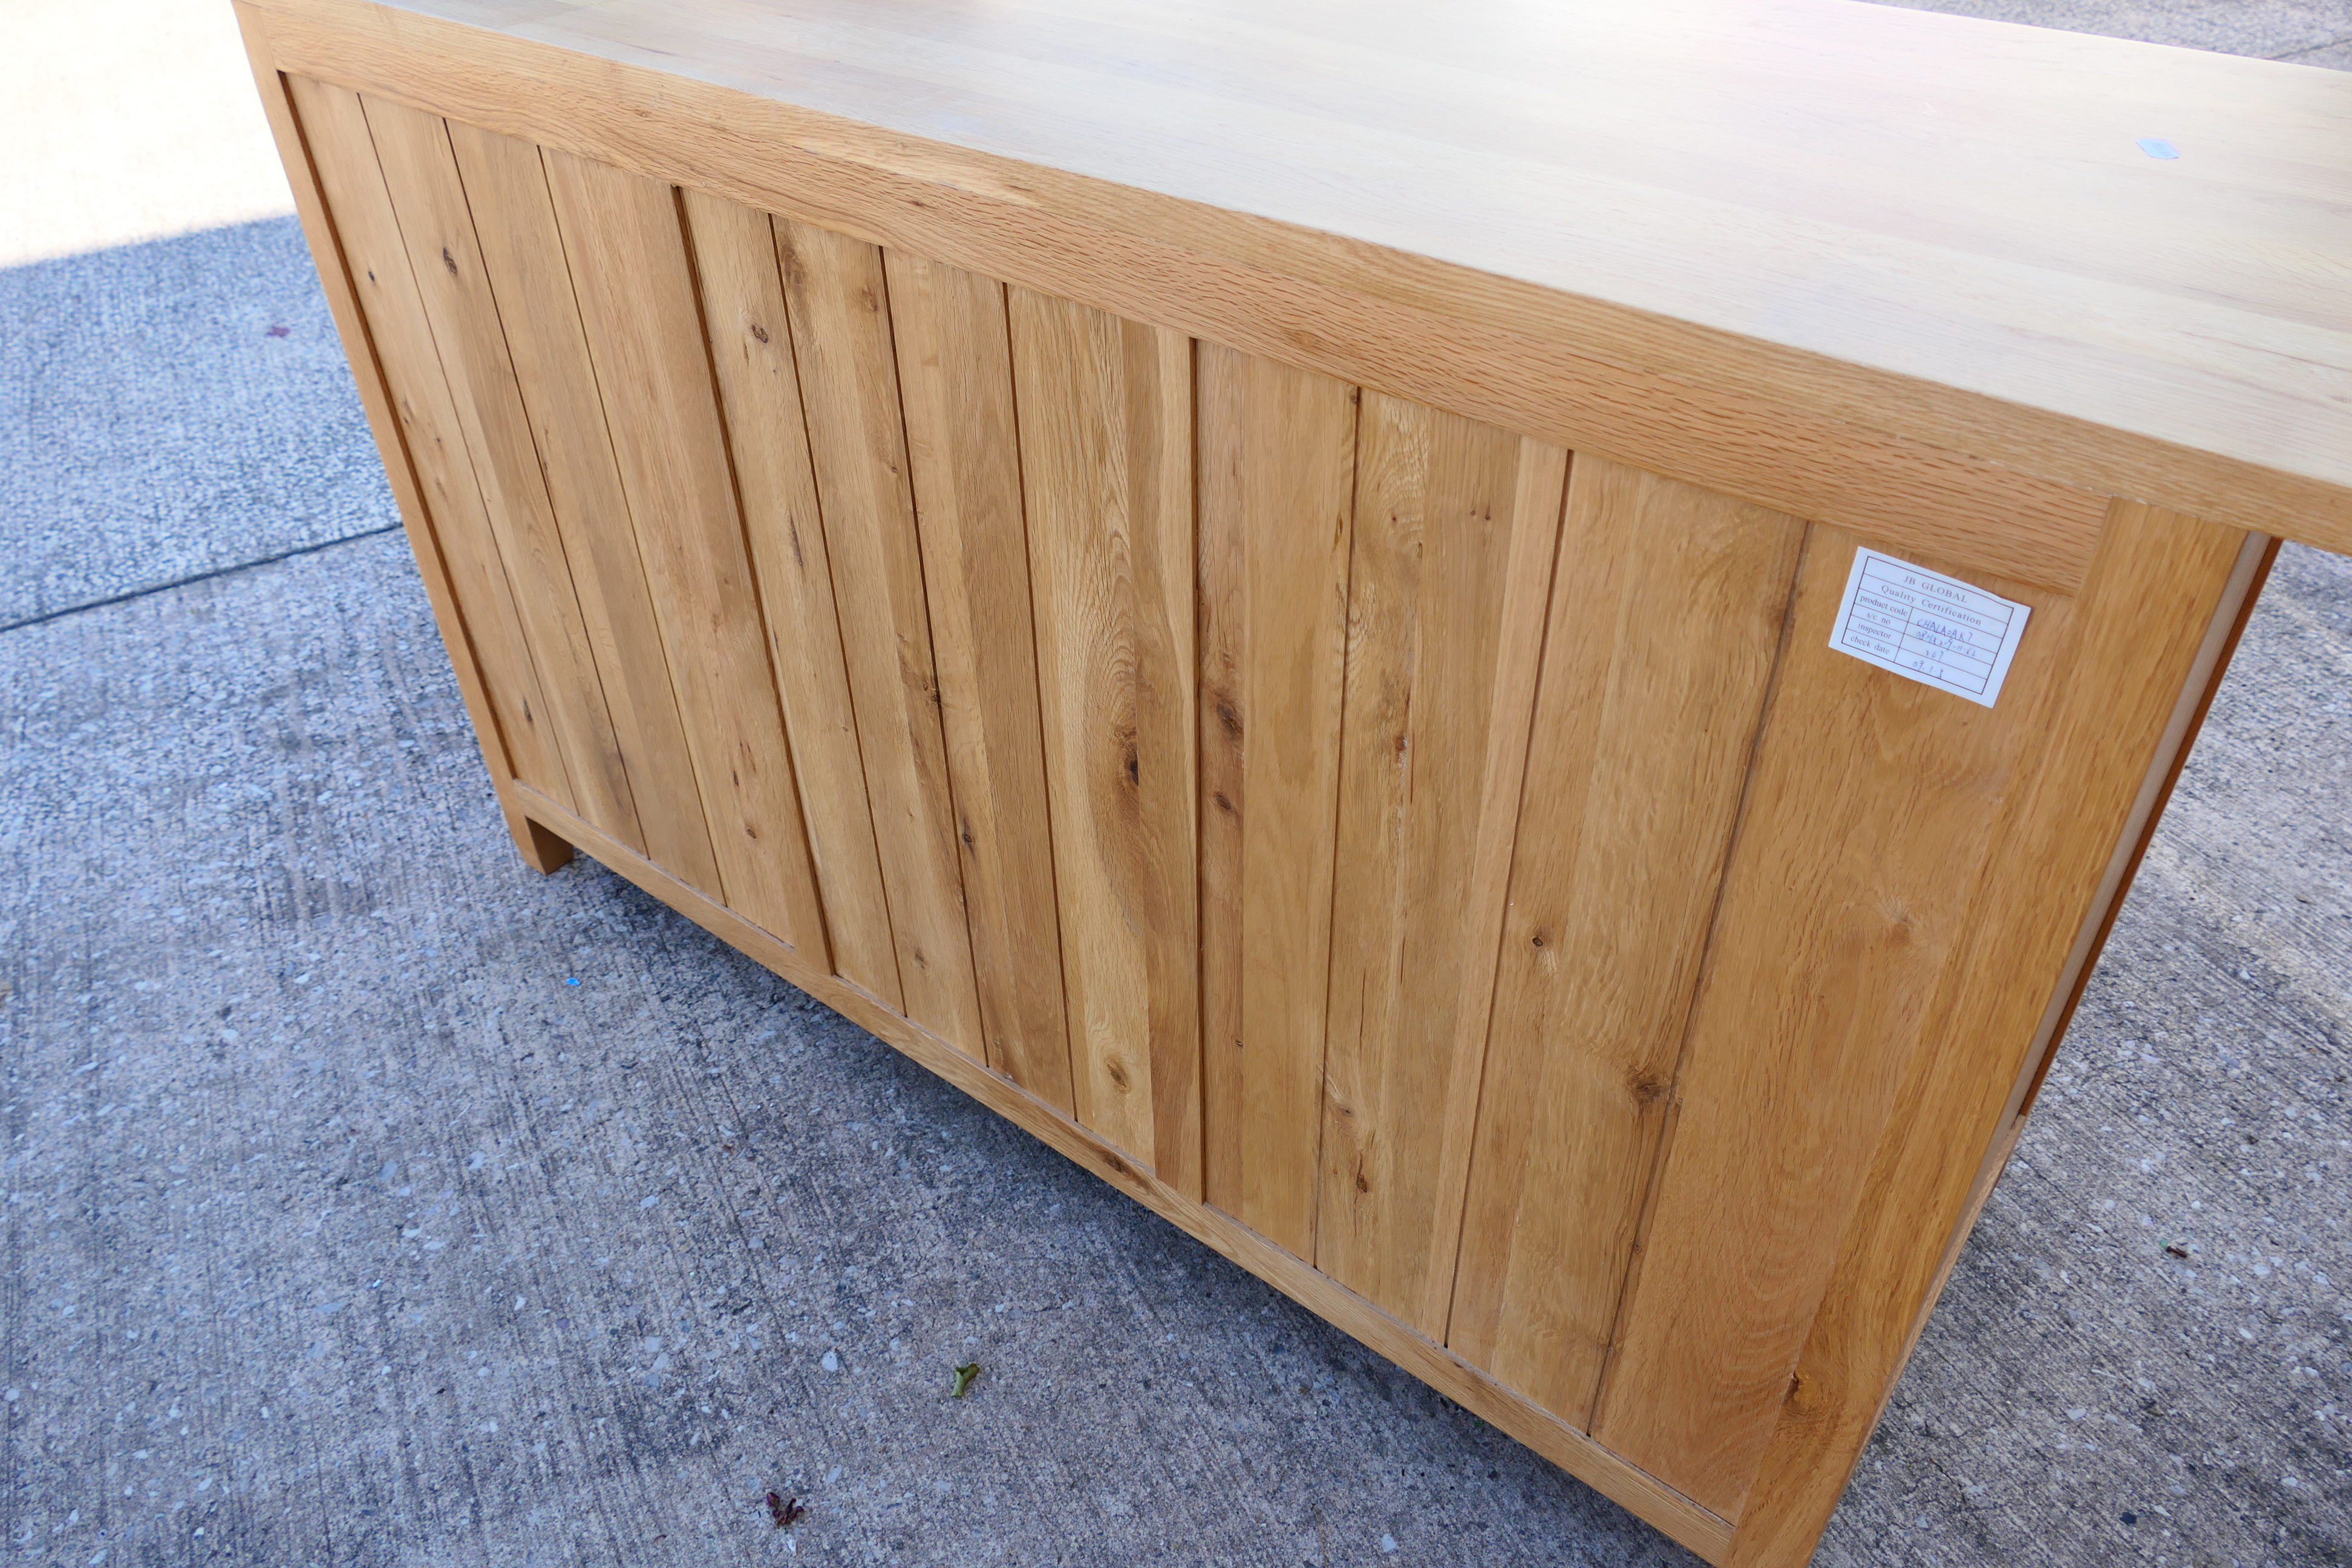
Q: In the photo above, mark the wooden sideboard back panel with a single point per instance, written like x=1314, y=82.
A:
x=1461, y=861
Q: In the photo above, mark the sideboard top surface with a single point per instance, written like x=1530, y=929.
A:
x=1947, y=229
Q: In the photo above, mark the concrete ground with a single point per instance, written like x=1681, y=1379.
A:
x=373, y=1200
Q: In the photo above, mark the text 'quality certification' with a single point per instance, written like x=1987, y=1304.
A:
x=1935, y=629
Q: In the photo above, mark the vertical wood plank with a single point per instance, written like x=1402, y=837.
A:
x=751, y=353
x=505, y=187
x=623, y=240
x=840, y=308
x=1667, y=610
x=1455, y=528
x=1106, y=412
x=2157, y=581
x=1277, y=480
x=420, y=174
x=344, y=155
x=955, y=382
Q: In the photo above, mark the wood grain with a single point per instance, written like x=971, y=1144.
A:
x=1277, y=458
x=1106, y=412
x=2117, y=673
x=420, y=174
x=1666, y=616
x=1870, y=234
x=504, y=188
x=353, y=185
x=759, y=383
x=1455, y=528
x=839, y=303
x=955, y=383
x=1867, y=832
x=628, y=261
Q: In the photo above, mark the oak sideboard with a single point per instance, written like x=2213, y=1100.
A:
x=1509, y=659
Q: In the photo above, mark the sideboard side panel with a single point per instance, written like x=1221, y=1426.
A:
x=623, y=240
x=1911, y=876
x=839, y=303
x=1455, y=530
x=1277, y=458
x=2159, y=608
x=1864, y=839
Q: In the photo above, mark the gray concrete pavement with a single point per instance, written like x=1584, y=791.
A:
x=170, y=409
x=2310, y=32
x=373, y=1200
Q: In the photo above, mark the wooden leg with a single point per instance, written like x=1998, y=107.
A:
x=543, y=850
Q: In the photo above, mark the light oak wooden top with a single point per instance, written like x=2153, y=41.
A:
x=1936, y=228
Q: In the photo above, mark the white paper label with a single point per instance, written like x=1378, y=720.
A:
x=1935, y=629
